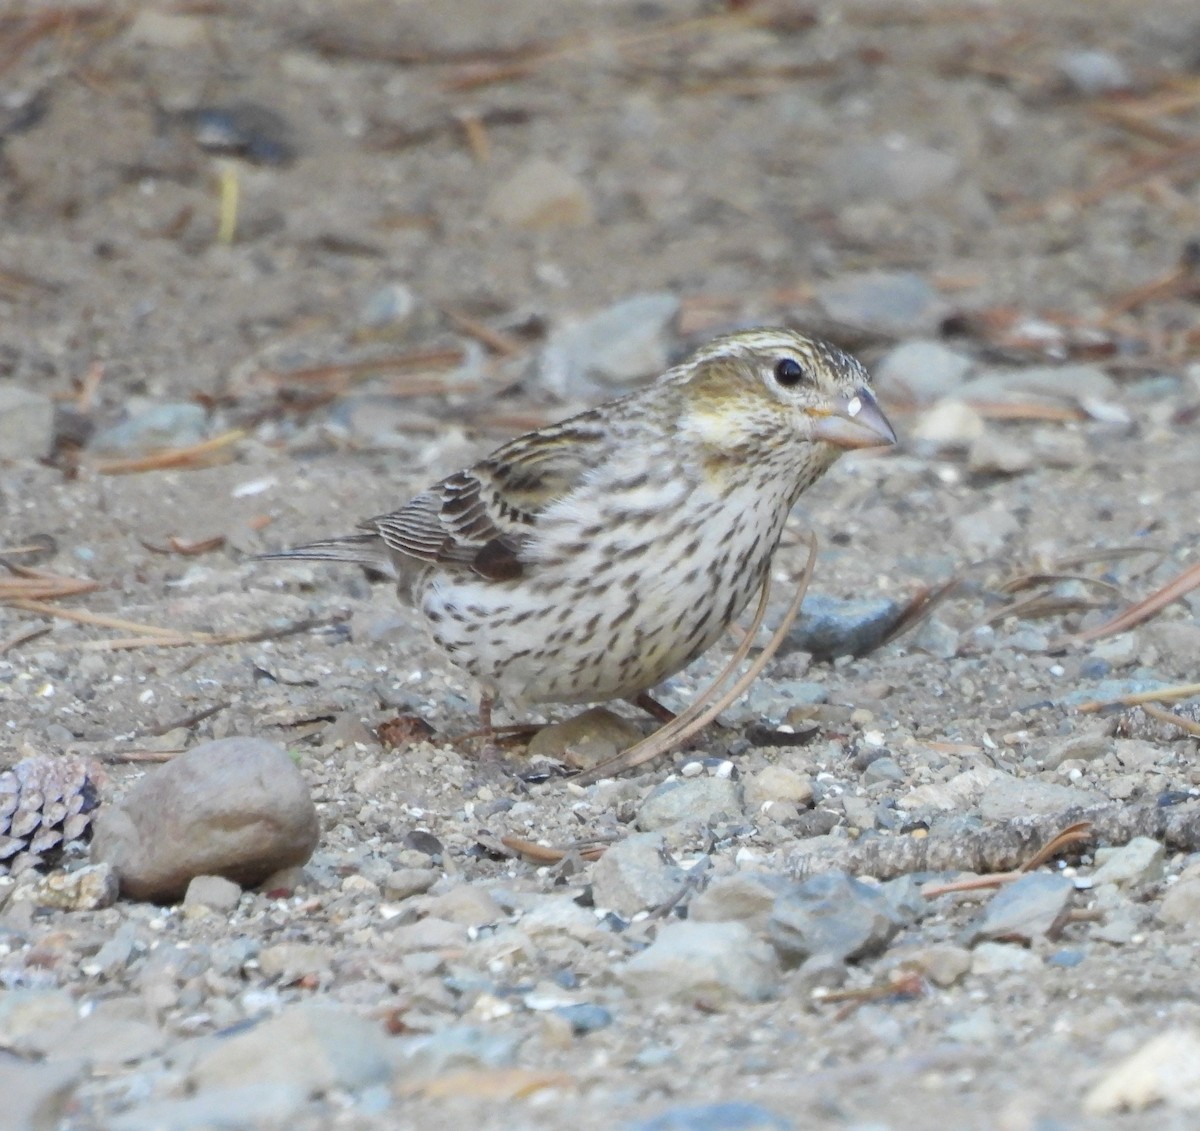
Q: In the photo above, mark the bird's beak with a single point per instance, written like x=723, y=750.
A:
x=855, y=422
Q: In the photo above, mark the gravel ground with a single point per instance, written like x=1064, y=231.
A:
x=355, y=245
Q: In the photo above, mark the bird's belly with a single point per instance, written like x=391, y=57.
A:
x=609, y=618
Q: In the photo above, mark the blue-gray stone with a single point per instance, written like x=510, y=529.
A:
x=833, y=914
x=828, y=627
x=729, y=1116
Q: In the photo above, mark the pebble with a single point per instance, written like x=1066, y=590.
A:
x=1178, y=642
x=890, y=302
x=1024, y=910
x=404, y=883
x=236, y=807
x=949, y=423
x=777, y=783
x=152, y=428
x=251, y=1105
x=245, y=129
x=936, y=638
x=26, y=423
x=728, y=1116
x=585, y=739
x=1165, y=1070
x=624, y=343
x=391, y=305
x=1086, y=746
x=920, y=372
x=1006, y=798
x=832, y=914
x=1094, y=72
x=746, y=897
x=984, y=531
x=214, y=892
x=828, y=627
x=37, y=1095
x=1064, y=383
x=1180, y=905
x=166, y=30
x=541, y=194
x=455, y=1048
x=702, y=800
x=896, y=170
x=634, y=875
x=1141, y=861
x=713, y=963
x=314, y=1045
x=584, y=1017
x=943, y=964
x=997, y=453
x=990, y=959
x=84, y=889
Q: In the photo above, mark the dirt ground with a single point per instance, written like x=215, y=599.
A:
x=355, y=285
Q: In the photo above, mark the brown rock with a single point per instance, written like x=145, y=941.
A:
x=237, y=808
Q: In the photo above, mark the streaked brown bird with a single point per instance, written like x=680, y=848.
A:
x=591, y=559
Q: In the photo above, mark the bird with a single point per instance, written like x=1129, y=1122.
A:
x=590, y=559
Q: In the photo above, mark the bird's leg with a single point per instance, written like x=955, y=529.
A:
x=646, y=702
x=488, y=750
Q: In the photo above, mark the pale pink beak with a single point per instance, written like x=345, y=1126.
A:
x=855, y=422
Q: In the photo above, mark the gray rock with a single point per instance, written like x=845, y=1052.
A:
x=391, y=305
x=1006, y=797
x=884, y=769
x=936, y=638
x=217, y=1109
x=584, y=1017
x=116, y=1032
x=212, y=891
x=36, y=1096
x=1165, y=1070
x=717, y=963
x=1180, y=905
x=950, y=423
x=32, y=1020
x=731, y=1116
x=1025, y=909
x=634, y=875
x=404, y=883
x=920, y=372
x=1141, y=861
x=746, y=897
x=900, y=172
x=313, y=1046
x=828, y=627
x=153, y=428
x=456, y=1048
x=1094, y=72
x=996, y=453
x=26, y=423
x=900, y=302
x=704, y=800
x=942, y=963
x=831, y=914
x=1068, y=383
x=626, y=342
x=236, y=807
x=540, y=194
x=985, y=531
x=1177, y=641
x=1086, y=746
x=992, y=959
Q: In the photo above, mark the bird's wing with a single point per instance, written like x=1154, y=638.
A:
x=482, y=517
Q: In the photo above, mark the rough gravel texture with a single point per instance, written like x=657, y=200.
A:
x=972, y=183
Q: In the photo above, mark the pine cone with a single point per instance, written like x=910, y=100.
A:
x=46, y=804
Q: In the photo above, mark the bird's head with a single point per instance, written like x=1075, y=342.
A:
x=771, y=388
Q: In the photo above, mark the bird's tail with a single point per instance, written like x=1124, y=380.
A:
x=358, y=549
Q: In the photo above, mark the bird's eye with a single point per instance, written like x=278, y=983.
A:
x=789, y=372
